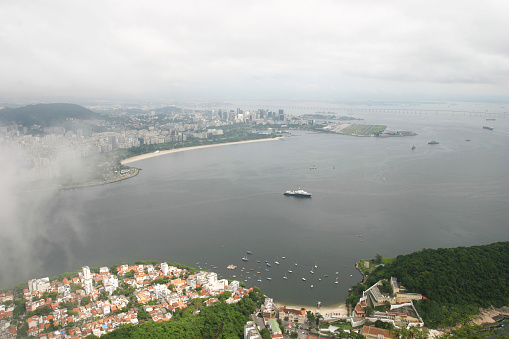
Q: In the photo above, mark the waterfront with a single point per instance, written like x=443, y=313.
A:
x=207, y=207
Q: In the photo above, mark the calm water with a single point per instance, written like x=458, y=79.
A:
x=370, y=195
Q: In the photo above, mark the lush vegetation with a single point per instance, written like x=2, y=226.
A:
x=373, y=263
x=455, y=281
x=220, y=320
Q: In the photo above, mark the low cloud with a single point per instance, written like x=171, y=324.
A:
x=38, y=229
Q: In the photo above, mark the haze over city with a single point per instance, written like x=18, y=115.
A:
x=200, y=50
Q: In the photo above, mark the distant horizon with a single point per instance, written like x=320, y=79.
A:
x=175, y=101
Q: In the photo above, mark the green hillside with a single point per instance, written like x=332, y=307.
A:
x=220, y=320
x=455, y=281
x=46, y=115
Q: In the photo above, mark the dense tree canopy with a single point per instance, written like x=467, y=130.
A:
x=220, y=320
x=455, y=281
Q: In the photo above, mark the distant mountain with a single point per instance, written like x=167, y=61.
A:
x=46, y=114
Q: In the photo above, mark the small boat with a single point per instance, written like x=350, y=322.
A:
x=336, y=282
x=319, y=279
x=433, y=142
x=325, y=275
x=245, y=259
x=295, y=264
x=285, y=277
x=413, y=147
x=269, y=278
x=468, y=140
x=303, y=279
x=276, y=262
x=290, y=271
x=268, y=264
x=283, y=257
x=488, y=127
x=337, y=273
x=259, y=280
x=258, y=261
x=249, y=252
x=311, y=286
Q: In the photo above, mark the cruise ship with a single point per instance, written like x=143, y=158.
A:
x=298, y=193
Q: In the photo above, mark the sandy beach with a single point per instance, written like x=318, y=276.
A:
x=151, y=155
x=326, y=311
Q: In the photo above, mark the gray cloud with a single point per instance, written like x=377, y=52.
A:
x=36, y=233
x=286, y=49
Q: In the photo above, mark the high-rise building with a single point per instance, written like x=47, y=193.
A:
x=86, y=272
x=164, y=268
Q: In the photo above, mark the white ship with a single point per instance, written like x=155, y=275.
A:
x=298, y=193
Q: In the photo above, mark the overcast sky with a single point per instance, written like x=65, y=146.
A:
x=202, y=49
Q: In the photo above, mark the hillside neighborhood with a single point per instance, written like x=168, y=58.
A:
x=99, y=300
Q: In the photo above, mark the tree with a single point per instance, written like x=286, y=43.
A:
x=369, y=311
x=143, y=315
x=294, y=335
x=378, y=258
x=265, y=333
x=85, y=301
x=318, y=318
x=383, y=324
x=103, y=296
x=311, y=316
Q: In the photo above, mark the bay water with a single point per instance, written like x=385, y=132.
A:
x=207, y=207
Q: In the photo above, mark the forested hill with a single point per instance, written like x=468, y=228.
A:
x=46, y=114
x=454, y=280
x=220, y=320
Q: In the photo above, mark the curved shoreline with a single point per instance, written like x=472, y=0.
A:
x=336, y=309
x=175, y=150
x=99, y=183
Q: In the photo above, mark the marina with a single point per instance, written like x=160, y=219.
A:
x=249, y=272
